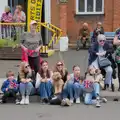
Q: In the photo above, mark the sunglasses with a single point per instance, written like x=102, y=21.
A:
x=59, y=64
x=27, y=66
x=101, y=40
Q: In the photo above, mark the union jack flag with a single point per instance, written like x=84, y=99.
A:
x=12, y=84
x=88, y=84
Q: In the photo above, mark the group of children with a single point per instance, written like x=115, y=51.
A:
x=56, y=87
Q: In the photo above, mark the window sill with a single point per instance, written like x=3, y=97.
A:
x=89, y=13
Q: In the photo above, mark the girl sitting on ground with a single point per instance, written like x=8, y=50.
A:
x=92, y=87
x=44, y=82
x=60, y=67
x=26, y=78
x=72, y=87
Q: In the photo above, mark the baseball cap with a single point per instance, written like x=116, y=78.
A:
x=33, y=22
x=101, y=37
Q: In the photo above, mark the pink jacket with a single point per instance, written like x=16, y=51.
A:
x=7, y=17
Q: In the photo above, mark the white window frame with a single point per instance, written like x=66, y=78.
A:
x=89, y=13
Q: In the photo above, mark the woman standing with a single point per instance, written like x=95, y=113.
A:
x=31, y=43
x=19, y=15
x=6, y=18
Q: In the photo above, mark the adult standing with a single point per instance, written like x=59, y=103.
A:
x=31, y=43
x=19, y=15
x=98, y=57
x=6, y=18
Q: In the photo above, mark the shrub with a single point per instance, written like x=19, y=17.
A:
x=7, y=43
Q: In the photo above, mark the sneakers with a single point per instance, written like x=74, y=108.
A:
x=17, y=102
x=71, y=101
x=77, y=49
x=78, y=101
x=98, y=102
x=66, y=102
x=22, y=102
x=27, y=100
x=104, y=100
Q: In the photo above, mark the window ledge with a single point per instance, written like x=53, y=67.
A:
x=89, y=13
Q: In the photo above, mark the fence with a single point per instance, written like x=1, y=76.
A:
x=11, y=31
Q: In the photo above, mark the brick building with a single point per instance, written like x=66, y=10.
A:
x=69, y=15
x=79, y=11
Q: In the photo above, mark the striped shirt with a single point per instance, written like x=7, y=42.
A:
x=31, y=42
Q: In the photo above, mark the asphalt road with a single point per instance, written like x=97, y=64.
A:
x=109, y=111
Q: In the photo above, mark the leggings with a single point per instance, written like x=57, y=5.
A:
x=34, y=63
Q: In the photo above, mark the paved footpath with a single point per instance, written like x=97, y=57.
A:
x=70, y=57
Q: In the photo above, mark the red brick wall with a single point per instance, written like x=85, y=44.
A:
x=75, y=21
x=108, y=16
x=55, y=13
x=116, y=15
x=110, y=20
x=63, y=18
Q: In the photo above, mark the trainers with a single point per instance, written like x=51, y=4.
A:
x=17, y=102
x=71, y=101
x=104, y=100
x=78, y=100
x=98, y=102
x=77, y=49
x=27, y=100
x=1, y=101
x=66, y=102
x=22, y=102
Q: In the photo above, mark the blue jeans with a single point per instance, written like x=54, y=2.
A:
x=25, y=88
x=88, y=96
x=108, y=70
x=72, y=90
x=45, y=89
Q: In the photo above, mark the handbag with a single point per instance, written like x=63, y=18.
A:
x=103, y=62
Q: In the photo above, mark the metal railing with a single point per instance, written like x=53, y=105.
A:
x=56, y=33
x=11, y=31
